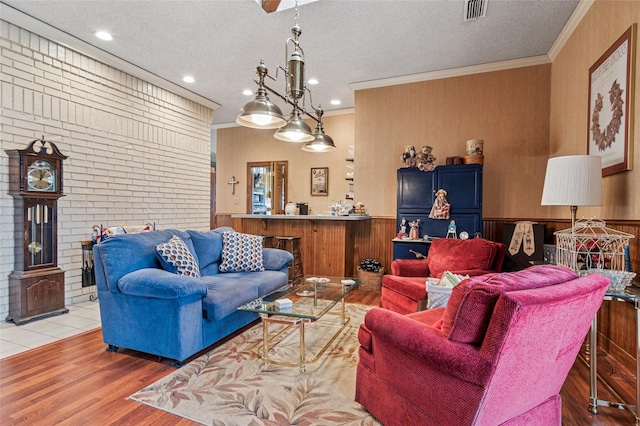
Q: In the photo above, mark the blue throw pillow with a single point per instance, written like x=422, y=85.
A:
x=174, y=255
x=207, y=246
x=241, y=252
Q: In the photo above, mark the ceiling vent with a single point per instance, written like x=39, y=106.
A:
x=474, y=9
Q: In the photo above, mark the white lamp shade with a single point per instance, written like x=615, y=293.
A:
x=574, y=180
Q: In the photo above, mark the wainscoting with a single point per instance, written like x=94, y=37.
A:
x=373, y=238
x=617, y=320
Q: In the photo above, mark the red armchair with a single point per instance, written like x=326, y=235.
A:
x=498, y=354
x=405, y=291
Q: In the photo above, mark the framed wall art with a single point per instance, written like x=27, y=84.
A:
x=319, y=181
x=610, y=133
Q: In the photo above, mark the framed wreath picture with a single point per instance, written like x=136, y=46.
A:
x=611, y=78
x=319, y=181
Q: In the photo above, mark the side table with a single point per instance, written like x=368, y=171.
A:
x=631, y=295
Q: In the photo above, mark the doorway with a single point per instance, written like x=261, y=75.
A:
x=266, y=187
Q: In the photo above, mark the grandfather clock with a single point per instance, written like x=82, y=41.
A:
x=36, y=285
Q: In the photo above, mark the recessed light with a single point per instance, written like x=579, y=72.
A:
x=188, y=79
x=247, y=92
x=103, y=35
x=312, y=81
x=335, y=102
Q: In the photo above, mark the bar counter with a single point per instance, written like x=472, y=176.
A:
x=300, y=217
x=327, y=241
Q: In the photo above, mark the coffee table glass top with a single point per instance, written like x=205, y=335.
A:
x=311, y=299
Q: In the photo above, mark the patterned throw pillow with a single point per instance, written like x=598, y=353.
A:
x=241, y=252
x=176, y=257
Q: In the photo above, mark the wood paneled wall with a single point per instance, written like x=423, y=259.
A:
x=373, y=238
x=492, y=230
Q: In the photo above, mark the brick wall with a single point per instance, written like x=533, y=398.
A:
x=137, y=153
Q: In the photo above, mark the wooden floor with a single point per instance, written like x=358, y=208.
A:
x=76, y=382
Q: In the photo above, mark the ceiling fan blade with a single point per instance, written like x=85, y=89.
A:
x=270, y=5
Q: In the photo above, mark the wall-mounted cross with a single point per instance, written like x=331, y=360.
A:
x=233, y=183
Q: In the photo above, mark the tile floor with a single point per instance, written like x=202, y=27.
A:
x=15, y=339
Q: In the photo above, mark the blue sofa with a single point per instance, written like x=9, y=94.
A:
x=149, y=309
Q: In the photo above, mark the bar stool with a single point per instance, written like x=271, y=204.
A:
x=293, y=246
x=267, y=241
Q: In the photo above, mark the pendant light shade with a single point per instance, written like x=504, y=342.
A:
x=296, y=130
x=261, y=113
x=321, y=143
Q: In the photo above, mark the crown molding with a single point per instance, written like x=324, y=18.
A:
x=341, y=111
x=454, y=72
x=569, y=27
x=36, y=26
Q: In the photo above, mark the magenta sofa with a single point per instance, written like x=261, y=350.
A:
x=498, y=354
x=405, y=291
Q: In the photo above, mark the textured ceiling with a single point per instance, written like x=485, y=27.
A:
x=220, y=42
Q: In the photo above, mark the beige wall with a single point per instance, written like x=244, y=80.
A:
x=599, y=29
x=508, y=109
x=239, y=145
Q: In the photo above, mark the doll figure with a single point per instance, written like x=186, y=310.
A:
x=403, y=228
x=440, y=209
x=414, y=233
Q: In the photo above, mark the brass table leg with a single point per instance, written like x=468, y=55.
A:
x=593, y=368
x=302, y=347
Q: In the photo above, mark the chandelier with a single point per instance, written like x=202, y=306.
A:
x=261, y=113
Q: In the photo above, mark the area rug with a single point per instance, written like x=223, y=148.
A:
x=230, y=385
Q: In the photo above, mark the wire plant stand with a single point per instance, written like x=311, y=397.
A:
x=591, y=245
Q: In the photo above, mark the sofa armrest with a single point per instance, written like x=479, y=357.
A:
x=160, y=284
x=427, y=345
x=275, y=259
x=410, y=267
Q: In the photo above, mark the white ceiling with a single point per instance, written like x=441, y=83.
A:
x=346, y=42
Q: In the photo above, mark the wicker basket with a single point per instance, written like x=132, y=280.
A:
x=371, y=281
x=473, y=159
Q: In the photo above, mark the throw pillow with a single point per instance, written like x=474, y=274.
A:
x=471, y=304
x=460, y=255
x=241, y=252
x=174, y=255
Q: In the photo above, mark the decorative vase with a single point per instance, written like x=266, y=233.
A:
x=475, y=147
x=290, y=209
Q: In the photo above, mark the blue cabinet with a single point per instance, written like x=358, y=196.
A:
x=417, y=192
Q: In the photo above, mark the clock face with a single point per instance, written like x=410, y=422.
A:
x=41, y=177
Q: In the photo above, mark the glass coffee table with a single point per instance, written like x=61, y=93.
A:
x=311, y=300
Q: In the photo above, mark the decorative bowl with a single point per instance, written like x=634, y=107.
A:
x=619, y=279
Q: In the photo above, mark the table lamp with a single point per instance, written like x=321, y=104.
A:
x=573, y=180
